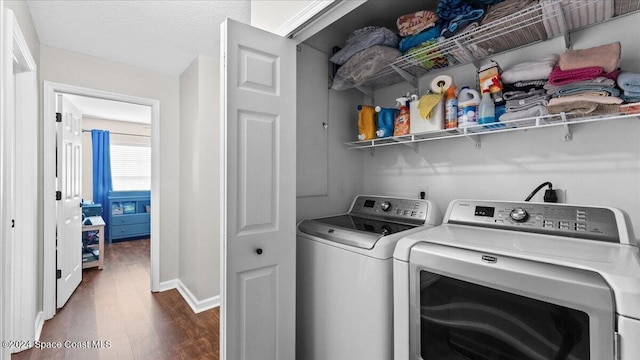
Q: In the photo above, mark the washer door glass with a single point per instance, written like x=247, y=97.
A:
x=462, y=320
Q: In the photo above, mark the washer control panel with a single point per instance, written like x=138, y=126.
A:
x=401, y=209
x=595, y=223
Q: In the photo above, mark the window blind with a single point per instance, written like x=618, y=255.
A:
x=130, y=167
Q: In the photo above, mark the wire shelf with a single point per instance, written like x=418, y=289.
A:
x=547, y=19
x=562, y=119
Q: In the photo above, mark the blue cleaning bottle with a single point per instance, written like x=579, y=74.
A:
x=386, y=117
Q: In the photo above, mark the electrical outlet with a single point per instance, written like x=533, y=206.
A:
x=560, y=193
x=423, y=188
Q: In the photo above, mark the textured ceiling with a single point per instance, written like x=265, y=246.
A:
x=163, y=36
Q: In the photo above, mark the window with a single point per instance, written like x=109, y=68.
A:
x=130, y=167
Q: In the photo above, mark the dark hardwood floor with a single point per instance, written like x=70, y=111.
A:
x=114, y=305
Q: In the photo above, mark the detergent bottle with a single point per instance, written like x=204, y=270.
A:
x=487, y=108
x=450, y=108
x=366, y=122
x=401, y=125
x=386, y=117
x=468, y=101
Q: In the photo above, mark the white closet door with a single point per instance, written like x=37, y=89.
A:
x=258, y=139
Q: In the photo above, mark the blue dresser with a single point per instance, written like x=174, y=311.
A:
x=128, y=215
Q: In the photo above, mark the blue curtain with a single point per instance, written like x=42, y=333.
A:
x=101, y=168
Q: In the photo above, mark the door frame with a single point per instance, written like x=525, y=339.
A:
x=50, y=90
x=19, y=99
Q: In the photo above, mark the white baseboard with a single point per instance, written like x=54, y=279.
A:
x=197, y=305
x=38, y=325
x=168, y=285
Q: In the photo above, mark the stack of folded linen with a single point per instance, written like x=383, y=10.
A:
x=366, y=51
x=524, y=88
x=420, y=32
x=584, y=81
x=630, y=84
x=457, y=15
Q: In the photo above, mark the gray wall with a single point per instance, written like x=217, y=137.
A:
x=200, y=178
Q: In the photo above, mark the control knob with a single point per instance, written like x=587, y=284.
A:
x=519, y=214
x=385, y=206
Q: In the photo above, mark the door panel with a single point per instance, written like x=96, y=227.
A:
x=69, y=213
x=258, y=130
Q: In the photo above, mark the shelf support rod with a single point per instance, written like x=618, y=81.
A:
x=366, y=91
x=474, y=60
x=562, y=21
x=567, y=129
x=414, y=145
x=411, y=79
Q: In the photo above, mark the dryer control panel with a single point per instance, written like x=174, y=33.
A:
x=397, y=209
x=595, y=223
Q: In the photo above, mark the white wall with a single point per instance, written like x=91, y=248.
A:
x=71, y=68
x=199, y=179
x=600, y=166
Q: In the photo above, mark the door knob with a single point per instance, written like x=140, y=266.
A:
x=259, y=251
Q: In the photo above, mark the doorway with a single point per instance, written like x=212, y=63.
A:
x=51, y=92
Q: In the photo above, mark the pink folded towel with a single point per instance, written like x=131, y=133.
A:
x=561, y=77
x=605, y=56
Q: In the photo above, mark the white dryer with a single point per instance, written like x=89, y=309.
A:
x=345, y=281
x=518, y=280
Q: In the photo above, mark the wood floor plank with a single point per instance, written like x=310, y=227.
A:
x=115, y=306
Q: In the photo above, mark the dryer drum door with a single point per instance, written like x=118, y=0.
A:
x=466, y=307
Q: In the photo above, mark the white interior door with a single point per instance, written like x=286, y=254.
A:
x=258, y=140
x=69, y=218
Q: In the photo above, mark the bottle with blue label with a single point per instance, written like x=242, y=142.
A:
x=468, y=101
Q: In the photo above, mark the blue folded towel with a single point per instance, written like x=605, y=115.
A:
x=449, y=9
x=417, y=39
x=460, y=22
x=629, y=81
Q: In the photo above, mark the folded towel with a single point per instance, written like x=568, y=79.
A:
x=561, y=77
x=523, y=104
x=535, y=111
x=631, y=93
x=428, y=55
x=596, y=99
x=584, y=108
x=532, y=70
x=449, y=9
x=605, y=56
x=629, y=81
x=599, y=81
x=525, y=85
x=519, y=94
x=415, y=40
x=416, y=22
x=630, y=99
x=460, y=22
x=580, y=89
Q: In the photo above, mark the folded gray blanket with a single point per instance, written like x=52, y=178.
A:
x=535, y=111
x=519, y=94
x=580, y=89
x=529, y=102
x=629, y=81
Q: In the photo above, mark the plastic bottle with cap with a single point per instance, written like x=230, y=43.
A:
x=487, y=109
x=366, y=122
x=401, y=125
x=450, y=108
x=386, y=117
x=468, y=101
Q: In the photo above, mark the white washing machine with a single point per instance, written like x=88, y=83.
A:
x=344, y=277
x=518, y=280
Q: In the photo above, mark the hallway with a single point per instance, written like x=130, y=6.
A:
x=115, y=306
